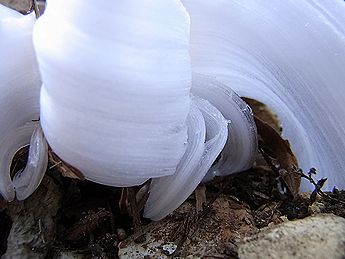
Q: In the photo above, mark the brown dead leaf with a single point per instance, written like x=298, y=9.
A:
x=277, y=147
x=261, y=111
x=273, y=145
x=64, y=168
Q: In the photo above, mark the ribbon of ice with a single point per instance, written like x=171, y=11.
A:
x=289, y=55
x=116, y=101
x=19, y=106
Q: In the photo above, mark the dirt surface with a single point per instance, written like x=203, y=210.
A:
x=186, y=233
x=90, y=223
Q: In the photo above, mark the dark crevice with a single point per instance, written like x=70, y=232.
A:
x=5, y=228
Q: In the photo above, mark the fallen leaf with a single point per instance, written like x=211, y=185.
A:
x=284, y=161
x=261, y=111
x=277, y=147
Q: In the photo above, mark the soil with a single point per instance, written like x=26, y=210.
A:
x=89, y=218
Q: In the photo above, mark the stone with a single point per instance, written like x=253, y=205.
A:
x=321, y=236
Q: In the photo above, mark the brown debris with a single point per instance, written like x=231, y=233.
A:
x=278, y=148
x=133, y=209
x=142, y=195
x=334, y=203
x=200, y=196
x=128, y=203
x=214, y=235
x=87, y=224
x=278, y=153
x=262, y=112
x=267, y=213
x=64, y=168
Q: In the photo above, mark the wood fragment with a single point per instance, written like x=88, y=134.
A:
x=87, y=224
x=142, y=195
x=64, y=168
x=128, y=203
x=200, y=196
x=133, y=210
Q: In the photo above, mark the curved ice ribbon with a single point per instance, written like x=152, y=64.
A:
x=116, y=90
x=116, y=98
x=26, y=181
x=207, y=134
x=19, y=102
x=240, y=151
x=289, y=55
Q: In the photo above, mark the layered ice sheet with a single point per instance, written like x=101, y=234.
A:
x=19, y=90
x=289, y=55
x=116, y=90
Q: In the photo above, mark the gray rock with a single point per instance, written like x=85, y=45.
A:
x=321, y=236
x=20, y=5
x=33, y=227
